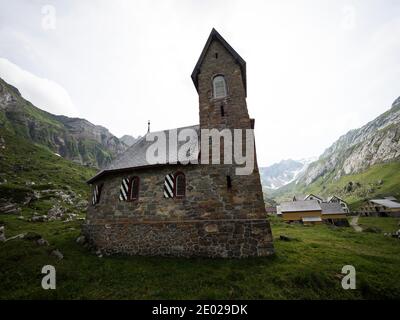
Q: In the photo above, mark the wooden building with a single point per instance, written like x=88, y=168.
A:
x=334, y=213
x=270, y=210
x=312, y=212
x=314, y=197
x=300, y=197
x=381, y=208
x=308, y=212
x=343, y=204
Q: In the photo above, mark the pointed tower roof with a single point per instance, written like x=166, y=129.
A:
x=214, y=35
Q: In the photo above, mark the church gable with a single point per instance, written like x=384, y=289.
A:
x=214, y=47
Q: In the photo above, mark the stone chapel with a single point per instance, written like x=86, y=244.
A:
x=176, y=209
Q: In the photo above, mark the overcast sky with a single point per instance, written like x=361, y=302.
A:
x=315, y=69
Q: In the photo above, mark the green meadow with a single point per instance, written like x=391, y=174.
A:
x=306, y=267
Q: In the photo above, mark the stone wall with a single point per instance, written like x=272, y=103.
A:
x=207, y=196
x=211, y=238
x=210, y=221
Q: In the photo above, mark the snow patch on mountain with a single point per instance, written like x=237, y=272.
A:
x=283, y=173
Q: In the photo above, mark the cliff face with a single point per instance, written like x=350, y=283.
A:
x=72, y=138
x=83, y=130
x=376, y=142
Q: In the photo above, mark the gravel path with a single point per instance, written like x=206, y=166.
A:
x=354, y=223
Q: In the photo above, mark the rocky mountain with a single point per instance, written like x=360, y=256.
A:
x=361, y=164
x=72, y=138
x=128, y=140
x=396, y=102
x=376, y=142
x=283, y=173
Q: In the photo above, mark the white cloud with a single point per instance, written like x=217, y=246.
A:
x=315, y=69
x=43, y=93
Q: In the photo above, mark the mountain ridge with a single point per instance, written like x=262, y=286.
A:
x=75, y=139
x=128, y=139
x=376, y=142
x=360, y=164
x=282, y=173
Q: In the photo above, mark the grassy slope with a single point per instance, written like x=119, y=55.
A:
x=369, y=187
x=24, y=161
x=385, y=225
x=303, y=269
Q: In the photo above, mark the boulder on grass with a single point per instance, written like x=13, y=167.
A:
x=10, y=208
x=42, y=242
x=81, y=240
x=2, y=234
x=32, y=236
x=285, y=238
x=56, y=253
x=99, y=253
x=18, y=236
x=56, y=211
x=372, y=230
x=42, y=218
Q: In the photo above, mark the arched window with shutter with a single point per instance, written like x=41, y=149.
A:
x=219, y=87
x=134, y=188
x=180, y=185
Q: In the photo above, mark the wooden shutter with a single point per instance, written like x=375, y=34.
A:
x=123, y=190
x=96, y=193
x=169, y=186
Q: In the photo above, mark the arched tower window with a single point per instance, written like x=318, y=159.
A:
x=219, y=87
x=180, y=184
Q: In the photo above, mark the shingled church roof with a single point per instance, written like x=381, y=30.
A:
x=135, y=156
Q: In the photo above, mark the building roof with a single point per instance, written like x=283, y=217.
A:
x=214, y=35
x=329, y=199
x=331, y=208
x=135, y=156
x=391, y=198
x=299, y=197
x=386, y=203
x=311, y=219
x=303, y=205
x=313, y=195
